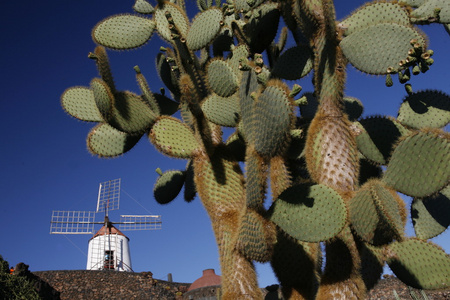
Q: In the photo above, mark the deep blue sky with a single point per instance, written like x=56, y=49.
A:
x=44, y=163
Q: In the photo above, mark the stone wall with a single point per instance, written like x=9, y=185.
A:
x=84, y=284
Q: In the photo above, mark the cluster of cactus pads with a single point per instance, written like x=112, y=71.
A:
x=334, y=176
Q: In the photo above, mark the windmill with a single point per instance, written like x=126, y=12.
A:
x=108, y=247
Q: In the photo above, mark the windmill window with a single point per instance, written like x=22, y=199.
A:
x=109, y=259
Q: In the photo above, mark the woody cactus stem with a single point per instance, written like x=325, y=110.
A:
x=331, y=153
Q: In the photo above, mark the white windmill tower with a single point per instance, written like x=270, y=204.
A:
x=108, y=248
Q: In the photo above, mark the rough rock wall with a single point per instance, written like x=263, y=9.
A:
x=84, y=284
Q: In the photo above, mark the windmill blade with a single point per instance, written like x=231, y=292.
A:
x=140, y=222
x=72, y=222
x=108, y=195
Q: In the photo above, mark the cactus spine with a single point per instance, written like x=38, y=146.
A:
x=323, y=166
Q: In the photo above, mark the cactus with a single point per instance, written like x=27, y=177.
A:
x=334, y=175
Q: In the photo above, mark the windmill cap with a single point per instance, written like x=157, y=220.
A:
x=109, y=230
x=209, y=278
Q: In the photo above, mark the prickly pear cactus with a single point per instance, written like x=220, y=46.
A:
x=334, y=176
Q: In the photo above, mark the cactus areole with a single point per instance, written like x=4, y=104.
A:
x=334, y=176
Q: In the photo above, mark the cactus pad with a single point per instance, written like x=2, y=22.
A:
x=162, y=25
x=103, y=96
x=353, y=107
x=377, y=138
x=294, y=63
x=173, y=138
x=79, y=102
x=375, y=13
x=131, y=114
x=166, y=105
x=223, y=111
x=256, y=237
x=105, y=141
x=123, y=31
x=221, y=78
x=272, y=121
x=425, y=109
x=376, y=48
x=309, y=213
x=166, y=74
x=143, y=7
x=431, y=215
x=420, y=164
x=426, y=10
x=168, y=186
x=204, y=28
x=419, y=264
x=189, y=185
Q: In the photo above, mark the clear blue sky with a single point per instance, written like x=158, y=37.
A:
x=44, y=163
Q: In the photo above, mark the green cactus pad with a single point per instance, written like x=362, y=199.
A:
x=221, y=78
x=79, y=102
x=106, y=141
x=420, y=164
x=309, y=213
x=431, y=215
x=147, y=94
x=242, y=5
x=205, y=27
x=168, y=77
x=375, y=214
x=103, y=96
x=363, y=214
x=204, y=4
x=249, y=85
x=262, y=26
x=103, y=66
x=189, y=184
x=223, y=111
x=143, y=7
x=239, y=52
x=294, y=63
x=413, y=3
x=426, y=10
x=375, y=13
x=173, y=138
x=131, y=113
x=377, y=138
x=254, y=241
x=162, y=25
x=425, y=109
x=168, y=186
x=272, y=122
x=376, y=48
x=123, y=31
x=419, y=264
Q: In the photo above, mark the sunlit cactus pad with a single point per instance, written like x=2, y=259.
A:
x=105, y=141
x=222, y=111
x=179, y=19
x=143, y=7
x=79, y=102
x=419, y=264
x=173, y=138
x=309, y=213
x=420, y=164
x=425, y=109
x=375, y=13
x=427, y=10
x=168, y=186
x=204, y=28
x=431, y=215
x=221, y=78
x=123, y=31
x=376, y=48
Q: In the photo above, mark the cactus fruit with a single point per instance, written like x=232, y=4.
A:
x=332, y=175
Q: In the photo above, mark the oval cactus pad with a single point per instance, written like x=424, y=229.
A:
x=79, y=102
x=173, y=138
